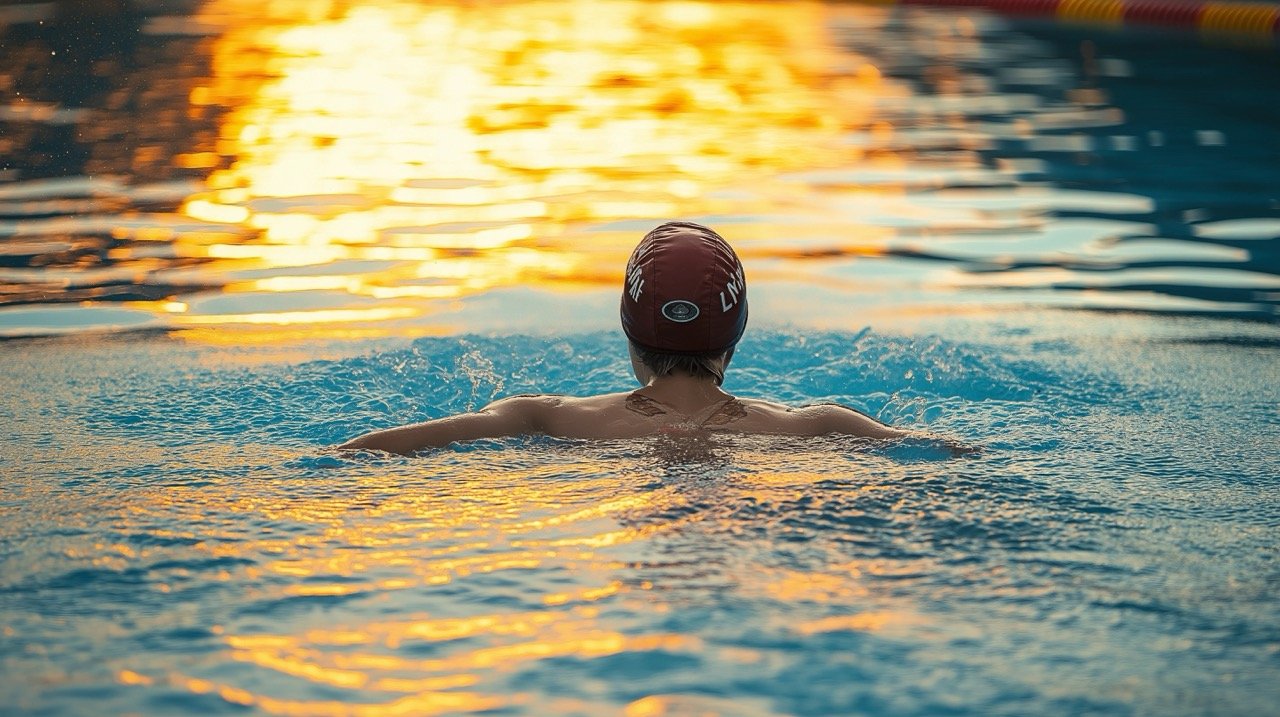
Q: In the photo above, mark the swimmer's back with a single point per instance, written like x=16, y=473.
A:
x=623, y=415
x=633, y=415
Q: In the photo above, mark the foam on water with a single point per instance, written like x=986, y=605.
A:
x=910, y=381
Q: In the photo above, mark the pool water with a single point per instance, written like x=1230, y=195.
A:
x=1110, y=551
x=249, y=233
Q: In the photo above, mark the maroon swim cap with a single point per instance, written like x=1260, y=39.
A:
x=684, y=292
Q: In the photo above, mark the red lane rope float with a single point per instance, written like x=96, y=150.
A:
x=1259, y=20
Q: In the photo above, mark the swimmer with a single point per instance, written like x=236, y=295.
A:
x=684, y=308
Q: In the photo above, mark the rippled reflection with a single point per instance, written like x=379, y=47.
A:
x=446, y=584
x=412, y=154
x=327, y=169
x=432, y=589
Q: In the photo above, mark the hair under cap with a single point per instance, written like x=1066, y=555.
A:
x=685, y=292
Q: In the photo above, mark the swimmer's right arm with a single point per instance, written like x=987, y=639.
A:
x=842, y=420
x=517, y=415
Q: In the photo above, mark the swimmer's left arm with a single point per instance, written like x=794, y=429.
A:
x=833, y=418
x=837, y=419
x=517, y=415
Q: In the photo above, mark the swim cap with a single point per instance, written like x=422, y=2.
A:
x=685, y=292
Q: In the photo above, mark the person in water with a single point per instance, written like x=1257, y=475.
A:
x=684, y=308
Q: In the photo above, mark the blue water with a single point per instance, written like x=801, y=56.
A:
x=1110, y=551
x=1055, y=244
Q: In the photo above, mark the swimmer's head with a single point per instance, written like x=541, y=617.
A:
x=684, y=300
x=684, y=292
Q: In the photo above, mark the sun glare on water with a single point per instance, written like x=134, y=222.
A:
x=407, y=154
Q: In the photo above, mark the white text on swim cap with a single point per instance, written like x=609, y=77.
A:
x=735, y=286
x=635, y=283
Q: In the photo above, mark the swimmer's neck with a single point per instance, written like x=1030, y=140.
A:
x=682, y=391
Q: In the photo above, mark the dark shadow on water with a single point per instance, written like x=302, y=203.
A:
x=123, y=91
x=1204, y=153
x=1240, y=315
x=1248, y=342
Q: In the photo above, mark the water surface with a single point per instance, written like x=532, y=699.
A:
x=232, y=236
x=394, y=168
x=1110, y=552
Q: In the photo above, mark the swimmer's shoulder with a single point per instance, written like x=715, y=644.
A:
x=814, y=420
x=569, y=416
x=539, y=402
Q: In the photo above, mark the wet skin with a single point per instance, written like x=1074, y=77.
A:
x=677, y=403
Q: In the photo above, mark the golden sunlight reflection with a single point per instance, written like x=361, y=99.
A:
x=396, y=564
x=475, y=146
x=431, y=699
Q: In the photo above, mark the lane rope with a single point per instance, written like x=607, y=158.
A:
x=1253, y=19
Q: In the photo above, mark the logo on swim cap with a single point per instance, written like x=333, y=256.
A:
x=680, y=311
